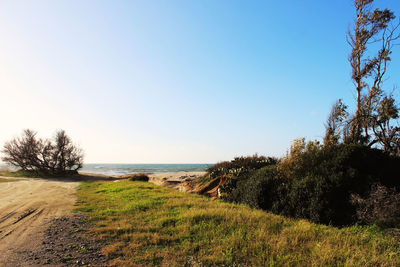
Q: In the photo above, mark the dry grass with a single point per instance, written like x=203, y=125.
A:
x=5, y=180
x=24, y=174
x=147, y=225
x=8, y=173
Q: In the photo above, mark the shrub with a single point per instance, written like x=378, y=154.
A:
x=139, y=177
x=57, y=156
x=224, y=175
x=239, y=165
x=315, y=182
x=381, y=206
x=262, y=189
x=300, y=158
x=321, y=189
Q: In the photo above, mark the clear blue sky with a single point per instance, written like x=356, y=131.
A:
x=175, y=81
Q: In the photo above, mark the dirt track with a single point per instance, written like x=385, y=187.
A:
x=26, y=208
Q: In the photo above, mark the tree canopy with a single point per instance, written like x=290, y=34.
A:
x=375, y=120
x=30, y=153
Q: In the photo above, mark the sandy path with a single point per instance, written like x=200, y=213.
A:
x=26, y=207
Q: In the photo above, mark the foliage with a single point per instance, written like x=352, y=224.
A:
x=381, y=206
x=139, y=177
x=146, y=225
x=371, y=41
x=222, y=177
x=384, y=112
x=32, y=154
x=334, y=123
x=315, y=182
x=239, y=165
x=259, y=189
x=300, y=157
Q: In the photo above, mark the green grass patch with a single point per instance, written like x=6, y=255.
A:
x=67, y=259
x=147, y=225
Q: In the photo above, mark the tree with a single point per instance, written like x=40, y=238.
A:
x=57, y=156
x=374, y=122
x=334, y=123
x=384, y=113
x=24, y=152
x=372, y=31
x=65, y=155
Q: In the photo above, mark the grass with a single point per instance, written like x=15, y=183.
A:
x=148, y=225
x=5, y=180
x=38, y=174
x=67, y=258
x=8, y=173
x=22, y=174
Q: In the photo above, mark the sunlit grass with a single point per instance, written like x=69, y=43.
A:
x=5, y=180
x=39, y=174
x=8, y=173
x=146, y=225
x=21, y=174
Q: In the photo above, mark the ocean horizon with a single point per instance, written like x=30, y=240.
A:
x=117, y=169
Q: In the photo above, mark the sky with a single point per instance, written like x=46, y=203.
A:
x=176, y=81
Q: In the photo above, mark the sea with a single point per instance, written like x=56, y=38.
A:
x=118, y=169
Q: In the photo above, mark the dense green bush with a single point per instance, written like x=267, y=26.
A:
x=259, y=189
x=139, y=177
x=316, y=182
x=321, y=189
x=240, y=165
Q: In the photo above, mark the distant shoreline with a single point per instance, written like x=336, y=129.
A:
x=125, y=169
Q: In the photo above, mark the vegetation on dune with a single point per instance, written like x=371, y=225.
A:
x=317, y=182
x=240, y=165
x=220, y=175
x=147, y=225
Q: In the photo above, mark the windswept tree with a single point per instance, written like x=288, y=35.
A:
x=30, y=153
x=374, y=122
x=371, y=41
